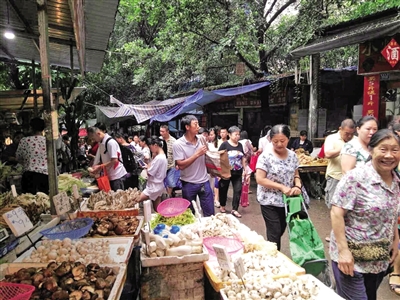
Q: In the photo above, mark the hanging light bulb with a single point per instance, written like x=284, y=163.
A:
x=8, y=34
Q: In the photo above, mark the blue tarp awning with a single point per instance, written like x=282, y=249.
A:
x=202, y=97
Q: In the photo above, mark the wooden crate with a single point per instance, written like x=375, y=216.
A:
x=178, y=282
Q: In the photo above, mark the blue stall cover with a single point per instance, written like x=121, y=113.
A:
x=202, y=97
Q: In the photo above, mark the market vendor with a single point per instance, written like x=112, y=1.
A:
x=108, y=156
x=303, y=142
x=31, y=152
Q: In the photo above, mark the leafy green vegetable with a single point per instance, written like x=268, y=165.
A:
x=184, y=219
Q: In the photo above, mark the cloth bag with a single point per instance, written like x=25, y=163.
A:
x=244, y=197
x=305, y=243
x=103, y=182
x=253, y=162
x=217, y=162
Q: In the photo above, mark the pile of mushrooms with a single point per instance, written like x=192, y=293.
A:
x=114, y=225
x=114, y=200
x=72, y=250
x=73, y=281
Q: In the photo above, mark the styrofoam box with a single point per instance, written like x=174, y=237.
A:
x=115, y=293
x=323, y=294
x=115, y=243
x=174, y=260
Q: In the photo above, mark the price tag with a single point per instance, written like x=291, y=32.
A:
x=239, y=267
x=223, y=258
x=147, y=211
x=75, y=192
x=14, y=191
x=18, y=221
x=61, y=203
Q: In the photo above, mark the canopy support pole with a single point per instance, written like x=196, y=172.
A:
x=314, y=96
x=35, y=96
x=50, y=115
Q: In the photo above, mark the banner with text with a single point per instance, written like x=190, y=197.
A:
x=371, y=96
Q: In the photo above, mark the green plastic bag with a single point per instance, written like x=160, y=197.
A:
x=305, y=243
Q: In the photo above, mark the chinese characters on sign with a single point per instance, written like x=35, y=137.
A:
x=371, y=96
x=391, y=52
x=247, y=102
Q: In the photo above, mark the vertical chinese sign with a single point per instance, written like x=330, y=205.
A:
x=371, y=96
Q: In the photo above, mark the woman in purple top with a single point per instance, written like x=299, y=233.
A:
x=364, y=215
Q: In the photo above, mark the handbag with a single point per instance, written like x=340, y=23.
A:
x=253, y=162
x=217, y=162
x=103, y=182
x=248, y=150
x=370, y=250
x=244, y=197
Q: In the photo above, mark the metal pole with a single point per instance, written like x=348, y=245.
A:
x=314, y=96
x=35, y=100
x=50, y=115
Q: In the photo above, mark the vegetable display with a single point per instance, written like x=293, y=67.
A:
x=293, y=287
x=71, y=250
x=173, y=241
x=7, y=171
x=66, y=181
x=67, y=281
x=114, y=200
x=220, y=225
x=258, y=265
x=183, y=219
x=114, y=225
x=33, y=205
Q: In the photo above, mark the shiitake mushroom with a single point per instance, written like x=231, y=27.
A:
x=60, y=295
x=75, y=295
x=60, y=283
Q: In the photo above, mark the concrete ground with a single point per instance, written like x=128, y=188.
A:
x=319, y=215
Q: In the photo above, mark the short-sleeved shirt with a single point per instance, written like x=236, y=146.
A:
x=32, y=152
x=263, y=143
x=334, y=168
x=355, y=149
x=371, y=211
x=235, y=155
x=197, y=171
x=278, y=170
x=170, y=156
x=156, y=174
x=117, y=170
x=158, y=169
x=146, y=153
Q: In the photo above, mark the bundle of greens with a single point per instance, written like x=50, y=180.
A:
x=183, y=219
x=66, y=181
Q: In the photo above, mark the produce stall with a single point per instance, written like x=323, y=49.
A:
x=170, y=269
x=312, y=171
x=92, y=252
x=118, y=253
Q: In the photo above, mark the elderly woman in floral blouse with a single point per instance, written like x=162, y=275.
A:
x=364, y=238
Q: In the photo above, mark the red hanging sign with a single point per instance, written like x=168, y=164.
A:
x=371, y=96
x=391, y=52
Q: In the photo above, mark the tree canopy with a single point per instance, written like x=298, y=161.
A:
x=160, y=48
